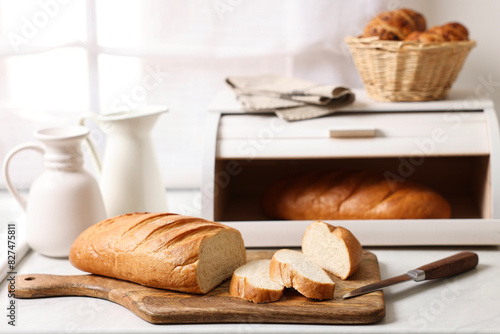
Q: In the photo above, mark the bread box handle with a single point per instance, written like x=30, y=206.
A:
x=353, y=132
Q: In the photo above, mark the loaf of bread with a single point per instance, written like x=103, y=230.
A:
x=252, y=282
x=295, y=270
x=395, y=25
x=161, y=250
x=449, y=32
x=333, y=248
x=351, y=195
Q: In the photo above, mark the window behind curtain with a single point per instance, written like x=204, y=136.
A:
x=173, y=52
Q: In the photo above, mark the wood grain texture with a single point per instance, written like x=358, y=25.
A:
x=452, y=265
x=163, y=306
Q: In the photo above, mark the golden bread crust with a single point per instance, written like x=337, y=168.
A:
x=351, y=195
x=160, y=250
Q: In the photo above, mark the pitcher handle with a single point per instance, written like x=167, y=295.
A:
x=23, y=202
x=90, y=144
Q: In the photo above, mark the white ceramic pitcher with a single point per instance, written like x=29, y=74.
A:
x=64, y=199
x=130, y=178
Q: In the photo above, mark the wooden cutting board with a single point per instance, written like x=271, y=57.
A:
x=163, y=306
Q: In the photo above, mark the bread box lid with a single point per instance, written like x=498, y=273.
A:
x=225, y=102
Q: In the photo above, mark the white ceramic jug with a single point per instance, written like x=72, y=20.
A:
x=64, y=199
x=130, y=178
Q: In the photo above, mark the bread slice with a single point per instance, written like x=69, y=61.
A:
x=252, y=282
x=293, y=269
x=334, y=248
x=160, y=250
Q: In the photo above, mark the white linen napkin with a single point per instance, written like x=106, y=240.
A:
x=291, y=99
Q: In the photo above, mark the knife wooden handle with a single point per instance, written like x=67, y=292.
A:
x=450, y=266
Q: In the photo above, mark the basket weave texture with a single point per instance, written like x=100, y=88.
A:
x=408, y=71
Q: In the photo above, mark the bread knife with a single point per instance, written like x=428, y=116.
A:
x=449, y=266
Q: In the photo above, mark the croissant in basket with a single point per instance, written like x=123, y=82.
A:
x=449, y=32
x=395, y=25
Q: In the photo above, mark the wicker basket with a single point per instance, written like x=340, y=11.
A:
x=408, y=71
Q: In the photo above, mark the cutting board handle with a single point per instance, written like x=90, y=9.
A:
x=42, y=285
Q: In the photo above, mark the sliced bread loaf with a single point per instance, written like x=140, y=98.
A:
x=251, y=281
x=334, y=248
x=293, y=269
x=160, y=250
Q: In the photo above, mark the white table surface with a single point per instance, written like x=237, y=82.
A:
x=468, y=303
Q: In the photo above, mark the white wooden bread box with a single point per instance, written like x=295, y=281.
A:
x=452, y=146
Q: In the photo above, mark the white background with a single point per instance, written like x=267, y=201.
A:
x=184, y=50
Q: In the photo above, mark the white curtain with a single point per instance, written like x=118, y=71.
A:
x=60, y=58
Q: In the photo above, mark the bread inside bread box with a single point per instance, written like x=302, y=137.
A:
x=462, y=181
x=449, y=146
